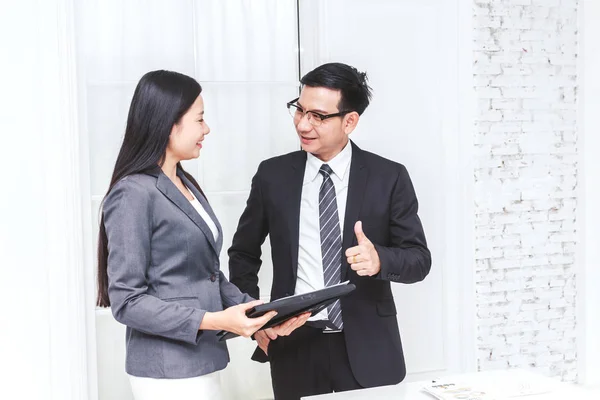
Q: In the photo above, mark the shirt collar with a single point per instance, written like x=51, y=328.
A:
x=339, y=164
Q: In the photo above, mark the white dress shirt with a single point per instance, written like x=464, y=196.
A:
x=310, y=261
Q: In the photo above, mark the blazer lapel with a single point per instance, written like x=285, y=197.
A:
x=205, y=204
x=293, y=190
x=357, y=183
x=168, y=188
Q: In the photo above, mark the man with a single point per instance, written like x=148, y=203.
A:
x=333, y=213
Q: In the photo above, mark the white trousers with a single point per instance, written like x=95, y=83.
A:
x=205, y=387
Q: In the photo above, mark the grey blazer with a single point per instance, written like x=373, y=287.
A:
x=163, y=276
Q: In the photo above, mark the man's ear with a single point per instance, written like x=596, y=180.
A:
x=350, y=122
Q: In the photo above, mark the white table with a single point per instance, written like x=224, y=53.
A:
x=413, y=390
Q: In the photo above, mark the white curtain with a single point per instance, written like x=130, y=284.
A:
x=244, y=54
x=42, y=290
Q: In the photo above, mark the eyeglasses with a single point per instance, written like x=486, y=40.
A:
x=315, y=118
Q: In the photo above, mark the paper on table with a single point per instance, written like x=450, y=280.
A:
x=498, y=390
x=453, y=391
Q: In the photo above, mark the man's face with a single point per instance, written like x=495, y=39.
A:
x=331, y=136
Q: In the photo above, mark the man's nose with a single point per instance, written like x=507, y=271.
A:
x=304, y=125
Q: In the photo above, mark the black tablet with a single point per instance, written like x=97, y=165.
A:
x=289, y=307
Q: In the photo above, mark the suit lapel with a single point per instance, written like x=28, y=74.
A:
x=357, y=183
x=204, y=202
x=293, y=191
x=168, y=188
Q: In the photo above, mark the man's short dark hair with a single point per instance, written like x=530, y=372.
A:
x=352, y=84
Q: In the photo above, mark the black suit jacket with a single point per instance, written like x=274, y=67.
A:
x=381, y=195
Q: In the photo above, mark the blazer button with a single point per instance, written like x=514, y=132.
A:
x=213, y=277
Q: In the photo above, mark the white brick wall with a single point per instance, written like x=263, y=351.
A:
x=526, y=173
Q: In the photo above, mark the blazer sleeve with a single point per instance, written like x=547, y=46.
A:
x=245, y=251
x=406, y=259
x=230, y=294
x=128, y=222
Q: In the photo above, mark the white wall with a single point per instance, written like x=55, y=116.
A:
x=588, y=295
x=410, y=50
x=526, y=174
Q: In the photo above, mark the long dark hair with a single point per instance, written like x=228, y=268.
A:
x=160, y=99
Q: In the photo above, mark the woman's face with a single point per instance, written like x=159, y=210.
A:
x=187, y=135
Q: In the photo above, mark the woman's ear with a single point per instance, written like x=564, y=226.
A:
x=176, y=128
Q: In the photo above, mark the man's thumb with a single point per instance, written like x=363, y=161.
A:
x=360, y=235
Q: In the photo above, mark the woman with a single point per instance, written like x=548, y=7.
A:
x=158, y=252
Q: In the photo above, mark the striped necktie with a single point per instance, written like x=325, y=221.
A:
x=331, y=241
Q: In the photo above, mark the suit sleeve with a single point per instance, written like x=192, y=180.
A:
x=128, y=223
x=406, y=259
x=245, y=251
x=231, y=294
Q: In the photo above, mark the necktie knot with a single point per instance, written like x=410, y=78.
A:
x=325, y=170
